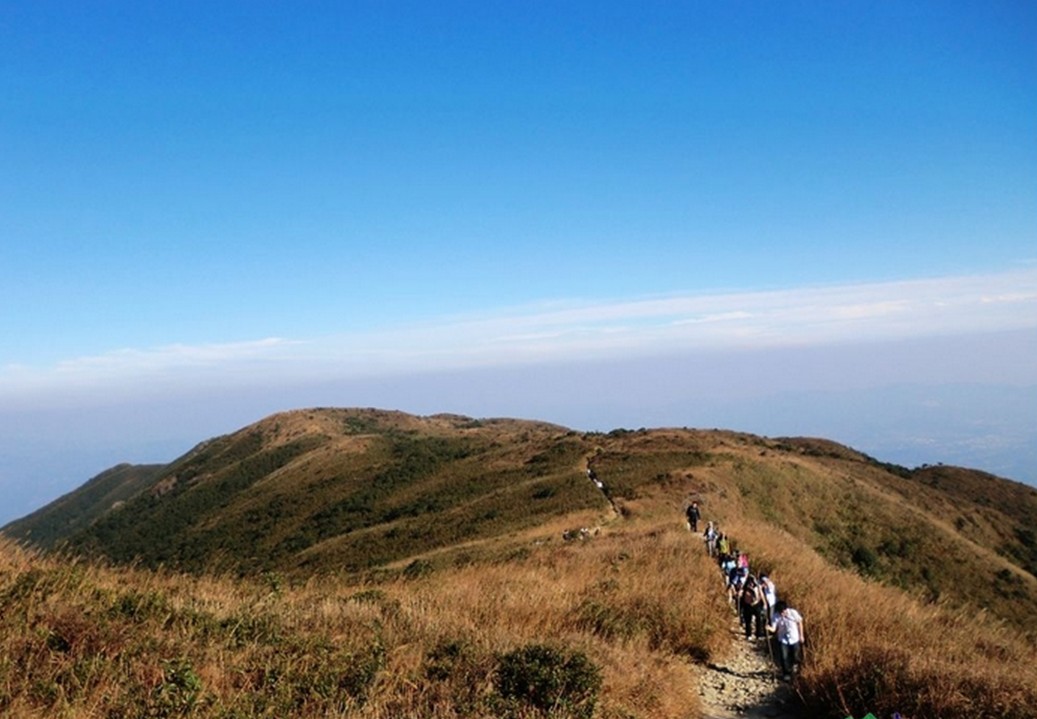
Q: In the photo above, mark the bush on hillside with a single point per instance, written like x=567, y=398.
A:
x=549, y=681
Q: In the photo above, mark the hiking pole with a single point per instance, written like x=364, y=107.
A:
x=770, y=645
x=770, y=650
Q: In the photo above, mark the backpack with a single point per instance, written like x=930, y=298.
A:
x=749, y=594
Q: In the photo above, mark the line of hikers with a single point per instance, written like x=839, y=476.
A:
x=755, y=599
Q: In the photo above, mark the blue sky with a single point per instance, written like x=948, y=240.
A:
x=600, y=214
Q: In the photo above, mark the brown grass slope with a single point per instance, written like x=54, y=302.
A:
x=595, y=627
x=520, y=625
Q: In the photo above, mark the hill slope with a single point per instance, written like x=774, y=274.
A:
x=75, y=511
x=458, y=527
x=345, y=490
x=327, y=490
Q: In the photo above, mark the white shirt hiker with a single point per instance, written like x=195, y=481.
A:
x=769, y=592
x=789, y=627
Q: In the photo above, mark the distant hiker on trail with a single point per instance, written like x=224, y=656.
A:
x=723, y=545
x=694, y=515
x=788, y=629
x=594, y=478
x=710, y=538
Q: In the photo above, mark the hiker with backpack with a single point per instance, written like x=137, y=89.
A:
x=788, y=631
x=750, y=607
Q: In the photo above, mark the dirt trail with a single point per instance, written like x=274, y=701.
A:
x=745, y=685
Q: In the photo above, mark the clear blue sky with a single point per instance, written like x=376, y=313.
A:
x=270, y=195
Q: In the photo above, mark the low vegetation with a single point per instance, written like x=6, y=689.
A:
x=334, y=563
x=580, y=629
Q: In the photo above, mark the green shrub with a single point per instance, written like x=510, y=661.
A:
x=179, y=691
x=549, y=681
x=865, y=559
x=456, y=673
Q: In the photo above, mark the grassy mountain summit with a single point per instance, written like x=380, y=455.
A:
x=344, y=490
x=442, y=548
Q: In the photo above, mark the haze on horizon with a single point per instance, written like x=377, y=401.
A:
x=795, y=219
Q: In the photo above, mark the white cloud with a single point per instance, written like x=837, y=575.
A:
x=564, y=331
x=176, y=355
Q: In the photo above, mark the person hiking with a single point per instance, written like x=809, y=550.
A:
x=593, y=477
x=710, y=538
x=770, y=596
x=750, y=606
x=788, y=631
x=693, y=515
x=728, y=570
x=723, y=544
x=735, y=579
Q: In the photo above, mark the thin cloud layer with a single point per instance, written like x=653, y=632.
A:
x=756, y=320
x=566, y=331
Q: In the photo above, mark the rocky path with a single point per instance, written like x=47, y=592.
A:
x=745, y=685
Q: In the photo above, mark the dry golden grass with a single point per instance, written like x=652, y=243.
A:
x=640, y=601
x=80, y=640
x=635, y=606
x=871, y=648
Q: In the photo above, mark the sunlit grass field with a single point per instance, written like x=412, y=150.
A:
x=621, y=620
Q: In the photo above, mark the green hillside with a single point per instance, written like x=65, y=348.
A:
x=346, y=490
x=75, y=511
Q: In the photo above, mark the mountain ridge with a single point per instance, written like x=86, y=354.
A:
x=332, y=562
x=365, y=489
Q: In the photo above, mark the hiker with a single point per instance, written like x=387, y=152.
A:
x=727, y=563
x=723, y=544
x=735, y=579
x=750, y=607
x=770, y=596
x=788, y=630
x=594, y=478
x=710, y=538
x=693, y=515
